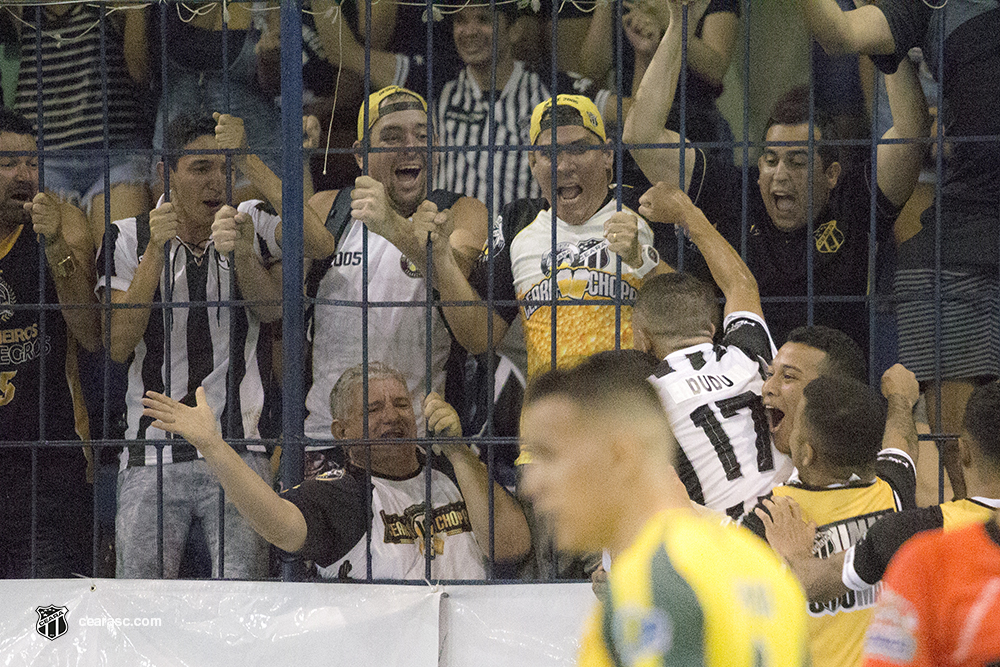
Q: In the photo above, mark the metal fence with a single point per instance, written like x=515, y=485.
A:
x=288, y=147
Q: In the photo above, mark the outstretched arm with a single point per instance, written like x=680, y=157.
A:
x=899, y=164
x=343, y=49
x=277, y=520
x=862, y=30
x=646, y=120
x=511, y=539
x=665, y=203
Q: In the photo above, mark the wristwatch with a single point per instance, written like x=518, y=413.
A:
x=650, y=258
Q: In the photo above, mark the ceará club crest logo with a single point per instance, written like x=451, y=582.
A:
x=51, y=622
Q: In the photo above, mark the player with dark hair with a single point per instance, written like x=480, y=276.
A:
x=325, y=520
x=809, y=353
x=938, y=604
x=846, y=478
x=780, y=212
x=198, y=337
x=712, y=393
x=683, y=589
x=863, y=564
x=38, y=366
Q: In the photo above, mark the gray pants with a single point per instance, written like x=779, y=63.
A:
x=190, y=491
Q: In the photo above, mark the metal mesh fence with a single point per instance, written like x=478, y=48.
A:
x=282, y=149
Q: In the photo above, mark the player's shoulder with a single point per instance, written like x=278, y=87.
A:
x=519, y=214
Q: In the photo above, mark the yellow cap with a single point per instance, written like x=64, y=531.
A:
x=583, y=112
x=376, y=98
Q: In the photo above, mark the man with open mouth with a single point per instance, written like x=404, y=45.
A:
x=326, y=520
x=563, y=247
x=784, y=226
x=171, y=256
x=371, y=248
x=37, y=371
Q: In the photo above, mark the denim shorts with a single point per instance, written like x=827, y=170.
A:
x=78, y=179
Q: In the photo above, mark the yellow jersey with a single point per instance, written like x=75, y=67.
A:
x=689, y=591
x=843, y=514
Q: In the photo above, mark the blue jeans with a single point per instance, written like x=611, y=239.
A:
x=190, y=491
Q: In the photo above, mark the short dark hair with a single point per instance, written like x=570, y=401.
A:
x=982, y=419
x=11, y=121
x=845, y=421
x=676, y=304
x=611, y=378
x=844, y=357
x=181, y=131
x=793, y=109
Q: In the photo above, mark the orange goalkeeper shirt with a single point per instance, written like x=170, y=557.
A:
x=940, y=602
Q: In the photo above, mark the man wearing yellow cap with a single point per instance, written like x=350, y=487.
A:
x=384, y=201
x=575, y=232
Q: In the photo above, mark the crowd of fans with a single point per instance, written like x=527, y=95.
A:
x=141, y=287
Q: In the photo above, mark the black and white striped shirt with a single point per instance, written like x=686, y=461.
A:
x=712, y=394
x=199, y=335
x=71, y=88
x=461, y=118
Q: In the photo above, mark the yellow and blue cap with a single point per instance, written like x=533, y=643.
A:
x=376, y=99
x=581, y=111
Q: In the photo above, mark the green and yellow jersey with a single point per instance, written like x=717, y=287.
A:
x=691, y=592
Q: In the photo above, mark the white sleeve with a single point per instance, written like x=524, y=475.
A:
x=265, y=226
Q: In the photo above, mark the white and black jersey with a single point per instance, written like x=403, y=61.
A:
x=396, y=334
x=199, y=334
x=333, y=506
x=712, y=394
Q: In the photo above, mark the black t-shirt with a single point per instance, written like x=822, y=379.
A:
x=23, y=348
x=970, y=190
x=778, y=260
x=873, y=553
x=333, y=506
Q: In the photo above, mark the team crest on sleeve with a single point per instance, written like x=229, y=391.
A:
x=51, y=622
x=642, y=633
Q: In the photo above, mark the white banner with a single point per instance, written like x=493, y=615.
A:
x=523, y=625
x=196, y=623
x=222, y=623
